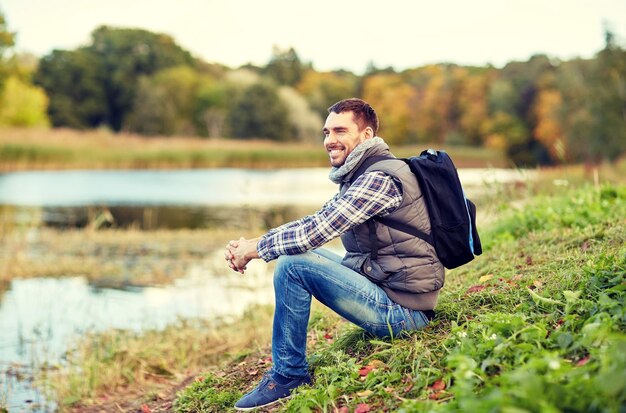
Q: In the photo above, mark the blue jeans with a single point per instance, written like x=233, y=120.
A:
x=319, y=273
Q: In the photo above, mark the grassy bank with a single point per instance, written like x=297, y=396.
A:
x=27, y=149
x=536, y=324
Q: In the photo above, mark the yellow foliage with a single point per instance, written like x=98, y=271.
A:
x=22, y=104
x=549, y=129
x=394, y=100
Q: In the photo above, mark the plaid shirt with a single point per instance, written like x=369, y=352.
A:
x=373, y=193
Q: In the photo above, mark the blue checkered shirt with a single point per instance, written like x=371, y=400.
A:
x=373, y=193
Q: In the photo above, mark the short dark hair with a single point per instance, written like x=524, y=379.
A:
x=364, y=114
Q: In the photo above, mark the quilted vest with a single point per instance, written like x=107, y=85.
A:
x=407, y=268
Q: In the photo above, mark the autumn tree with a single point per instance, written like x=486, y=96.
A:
x=394, y=100
x=22, y=104
x=433, y=102
x=323, y=89
x=7, y=41
x=470, y=105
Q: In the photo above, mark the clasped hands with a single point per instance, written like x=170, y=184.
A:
x=239, y=253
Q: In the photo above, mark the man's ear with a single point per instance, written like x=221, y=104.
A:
x=369, y=132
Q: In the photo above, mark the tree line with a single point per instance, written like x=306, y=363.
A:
x=541, y=111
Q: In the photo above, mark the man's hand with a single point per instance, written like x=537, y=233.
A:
x=240, y=253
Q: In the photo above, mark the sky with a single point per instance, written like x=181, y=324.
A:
x=334, y=34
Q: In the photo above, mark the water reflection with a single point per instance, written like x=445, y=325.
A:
x=40, y=318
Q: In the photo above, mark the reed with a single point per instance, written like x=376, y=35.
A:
x=25, y=149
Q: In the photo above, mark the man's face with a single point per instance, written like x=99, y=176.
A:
x=342, y=135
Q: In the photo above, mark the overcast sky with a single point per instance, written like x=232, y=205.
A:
x=334, y=34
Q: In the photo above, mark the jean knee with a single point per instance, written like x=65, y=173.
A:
x=284, y=268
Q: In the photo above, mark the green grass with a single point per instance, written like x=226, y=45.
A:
x=536, y=324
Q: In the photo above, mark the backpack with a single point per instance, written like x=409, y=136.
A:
x=452, y=216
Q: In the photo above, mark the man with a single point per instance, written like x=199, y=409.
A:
x=385, y=293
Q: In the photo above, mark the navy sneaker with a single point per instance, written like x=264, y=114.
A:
x=269, y=392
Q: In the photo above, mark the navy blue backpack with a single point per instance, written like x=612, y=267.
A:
x=452, y=216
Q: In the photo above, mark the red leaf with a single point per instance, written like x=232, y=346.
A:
x=438, y=385
x=583, y=361
x=475, y=289
x=364, y=371
x=362, y=408
x=328, y=336
x=435, y=396
x=145, y=409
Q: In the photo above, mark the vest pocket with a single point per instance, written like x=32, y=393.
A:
x=372, y=271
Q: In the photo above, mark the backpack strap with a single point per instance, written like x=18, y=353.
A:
x=400, y=226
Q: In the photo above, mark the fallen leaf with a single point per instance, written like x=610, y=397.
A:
x=365, y=393
x=362, y=408
x=529, y=260
x=378, y=364
x=145, y=409
x=328, y=336
x=436, y=396
x=537, y=283
x=586, y=245
x=438, y=385
x=253, y=372
x=583, y=361
x=475, y=289
x=485, y=278
x=364, y=371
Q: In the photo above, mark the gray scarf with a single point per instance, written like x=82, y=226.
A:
x=337, y=173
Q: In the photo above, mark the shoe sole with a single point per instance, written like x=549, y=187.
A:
x=247, y=409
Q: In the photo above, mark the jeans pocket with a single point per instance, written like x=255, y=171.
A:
x=416, y=319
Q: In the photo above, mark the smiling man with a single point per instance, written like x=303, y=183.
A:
x=386, y=290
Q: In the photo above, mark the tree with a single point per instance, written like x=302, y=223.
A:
x=104, y=76
x=22, y=104
x=470, y=105
x=306, y=125
x=434, y=102
x=285, y=67
x=74, y=82
x=259, y=113
x=548, y=128
x=7, y=41
x=323, y=89
x=394, y=100
x=608, y=103
x=165, y=103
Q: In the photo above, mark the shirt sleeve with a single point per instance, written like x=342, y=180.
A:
x=373, y=193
